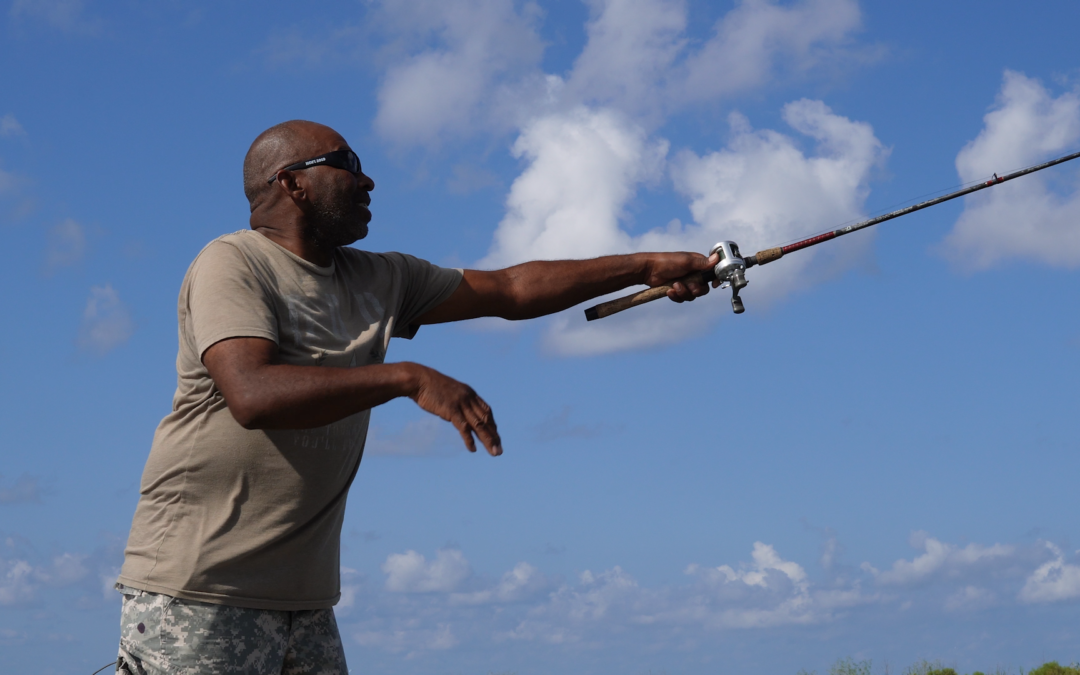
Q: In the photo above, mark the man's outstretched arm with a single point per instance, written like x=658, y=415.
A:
x=538, y=288
x=264, y=394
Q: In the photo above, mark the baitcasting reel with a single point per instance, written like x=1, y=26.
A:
x=731, y=271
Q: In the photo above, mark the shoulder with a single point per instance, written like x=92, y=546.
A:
x=402, y=263
x=228, y=248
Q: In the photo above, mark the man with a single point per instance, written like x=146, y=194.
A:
x=232, y=563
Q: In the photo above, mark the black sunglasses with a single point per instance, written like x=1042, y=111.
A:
x=339, y=159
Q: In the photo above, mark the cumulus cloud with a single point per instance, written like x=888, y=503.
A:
x=519, y=583
x=67, y=245
x=410, y=572
x=940, y=559
x=430, y=605
x=1053, y=581
x=1032, y=218
x=16, y=582
x=9, y=127
x=758, y=36
x=485, y=75
x=583, y=167
x=760, y=191
x=631, y=47
x=587, y=136
x=487, y=50
x=106, y=322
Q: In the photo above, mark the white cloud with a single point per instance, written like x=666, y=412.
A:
x=484, y=74
x=1027, y=218
x=749, y=41
x=585, y=135
x=940, y=559
x=20, y=579
x=410, y=572
x=583, y=167
x=631, y=47
x=487, y=50
x=9, y=126
x=64, y=15
x=519, y=583
x=106, y=322
x=761, y=191
x=1053, y=581
x=67, y=245
x=16, y=582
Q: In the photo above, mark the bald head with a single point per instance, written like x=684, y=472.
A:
x=278, y=146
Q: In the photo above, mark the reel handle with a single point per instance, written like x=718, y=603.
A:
x=640, y=298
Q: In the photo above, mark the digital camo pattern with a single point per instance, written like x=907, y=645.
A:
x=160, y=634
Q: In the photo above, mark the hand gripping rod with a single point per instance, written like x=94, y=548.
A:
x=770, y=254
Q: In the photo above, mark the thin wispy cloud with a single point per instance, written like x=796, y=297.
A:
x=67, y=245
x=10, y=127
x=21, y=580
x=68, y=16
x=428, y=436
x=559, y=426
x=106, y=322
x=24, y=489
x=485, y=53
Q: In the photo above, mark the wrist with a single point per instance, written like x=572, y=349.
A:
x=410, y=378
x=641, y=264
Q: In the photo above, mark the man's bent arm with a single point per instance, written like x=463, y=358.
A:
x=539, y=288
x=264, y=394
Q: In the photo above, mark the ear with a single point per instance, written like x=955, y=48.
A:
x=291, y=183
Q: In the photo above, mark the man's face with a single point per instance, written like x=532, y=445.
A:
x=339, y=202
x=339, y=210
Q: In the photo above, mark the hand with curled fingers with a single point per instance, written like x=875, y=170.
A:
x=457, y=403
x=672, y=268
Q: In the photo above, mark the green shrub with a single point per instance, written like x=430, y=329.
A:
x=1054, y=668
x=850, y=666
x=925, y=667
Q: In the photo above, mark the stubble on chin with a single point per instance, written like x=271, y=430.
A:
x=338, y=223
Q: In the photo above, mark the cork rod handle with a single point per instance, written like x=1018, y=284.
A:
x=640, y=298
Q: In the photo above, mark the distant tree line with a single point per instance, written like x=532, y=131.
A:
x=850, y=666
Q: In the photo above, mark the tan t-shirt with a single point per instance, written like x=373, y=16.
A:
x=249, y=517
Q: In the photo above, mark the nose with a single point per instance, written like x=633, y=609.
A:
x=364, y=182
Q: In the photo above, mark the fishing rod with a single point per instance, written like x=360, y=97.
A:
x=731, y=270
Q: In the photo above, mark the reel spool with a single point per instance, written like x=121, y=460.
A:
x=731, y=271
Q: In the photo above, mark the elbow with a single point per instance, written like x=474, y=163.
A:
x=246, y=412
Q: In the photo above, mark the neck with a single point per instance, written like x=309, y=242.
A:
x=290, y=236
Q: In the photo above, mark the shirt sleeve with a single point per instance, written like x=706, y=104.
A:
x=226, y=299
x=426, y=286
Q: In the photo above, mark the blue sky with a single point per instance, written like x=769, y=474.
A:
x=876, y=460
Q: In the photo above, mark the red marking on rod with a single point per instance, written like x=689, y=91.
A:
x=808, y=242
x=995, y=180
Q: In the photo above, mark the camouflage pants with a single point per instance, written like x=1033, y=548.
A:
x=160, y=634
